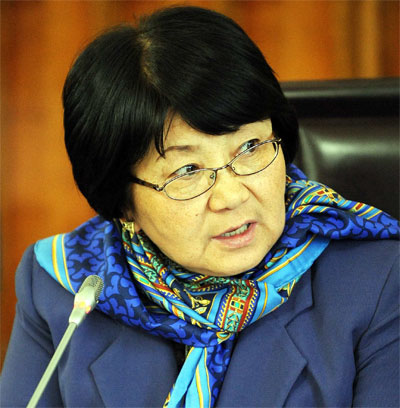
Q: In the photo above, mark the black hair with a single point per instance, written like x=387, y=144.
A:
x=124, y=86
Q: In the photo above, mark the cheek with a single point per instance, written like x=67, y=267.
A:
x=280, y=178
x=270, y=186
x=272, y=197
x=281, y=190
x=165, y=221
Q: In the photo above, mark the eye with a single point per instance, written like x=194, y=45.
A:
x=248, y=145
x=184, y=170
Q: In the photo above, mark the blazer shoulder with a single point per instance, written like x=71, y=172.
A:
x=360, y=260
x=358, y=280
x=24, y=280
x=38, y=294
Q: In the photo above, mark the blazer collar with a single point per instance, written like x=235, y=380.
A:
x=300, y=301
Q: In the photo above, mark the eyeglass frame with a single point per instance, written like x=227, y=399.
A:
x=158, y=188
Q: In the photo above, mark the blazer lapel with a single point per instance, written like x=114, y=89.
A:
x=136, y=370
x=265, y=362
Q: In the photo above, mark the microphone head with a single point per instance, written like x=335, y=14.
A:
x=86, y=298
x=96, y=283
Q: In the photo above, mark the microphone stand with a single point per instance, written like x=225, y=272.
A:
x=84, y=302
x=52, y=365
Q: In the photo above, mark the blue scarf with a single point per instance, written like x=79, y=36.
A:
x=145, y=289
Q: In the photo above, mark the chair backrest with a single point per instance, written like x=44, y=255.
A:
x=349, y=137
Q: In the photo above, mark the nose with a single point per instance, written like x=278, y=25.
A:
x=228, y=192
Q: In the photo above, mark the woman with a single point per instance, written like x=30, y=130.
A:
x=230, y=279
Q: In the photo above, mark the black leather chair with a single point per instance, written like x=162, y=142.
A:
x=349, y=137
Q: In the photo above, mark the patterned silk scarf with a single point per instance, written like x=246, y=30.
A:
x=206, y=313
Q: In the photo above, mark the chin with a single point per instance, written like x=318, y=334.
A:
x=235, y=267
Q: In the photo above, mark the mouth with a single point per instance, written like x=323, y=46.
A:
x=236, y=231
x=237, y=237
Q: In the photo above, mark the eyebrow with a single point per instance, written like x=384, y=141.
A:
x=179, y=148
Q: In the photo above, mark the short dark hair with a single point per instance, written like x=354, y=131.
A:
x=124, y=86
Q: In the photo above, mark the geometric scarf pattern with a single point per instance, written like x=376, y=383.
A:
x=218, y=307
x=145, y=289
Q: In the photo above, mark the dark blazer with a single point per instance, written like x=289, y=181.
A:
x=334, y=343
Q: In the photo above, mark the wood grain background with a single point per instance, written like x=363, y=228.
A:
x=301, y=40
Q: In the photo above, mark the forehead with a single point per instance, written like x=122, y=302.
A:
x=180, y=133
x=182, y=139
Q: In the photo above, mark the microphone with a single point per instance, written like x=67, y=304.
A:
x=84, y=302
x=86, y=299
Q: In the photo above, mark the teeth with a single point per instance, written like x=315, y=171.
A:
x=236, y=232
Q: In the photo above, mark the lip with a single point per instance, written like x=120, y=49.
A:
x=240, y=240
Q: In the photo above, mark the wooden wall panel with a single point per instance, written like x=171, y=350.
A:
x=39, y=40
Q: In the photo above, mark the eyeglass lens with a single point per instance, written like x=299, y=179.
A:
x=198, y=182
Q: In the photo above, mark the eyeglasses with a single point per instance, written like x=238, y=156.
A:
x=195, y=183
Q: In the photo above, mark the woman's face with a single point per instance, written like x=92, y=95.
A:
x=190, y=232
